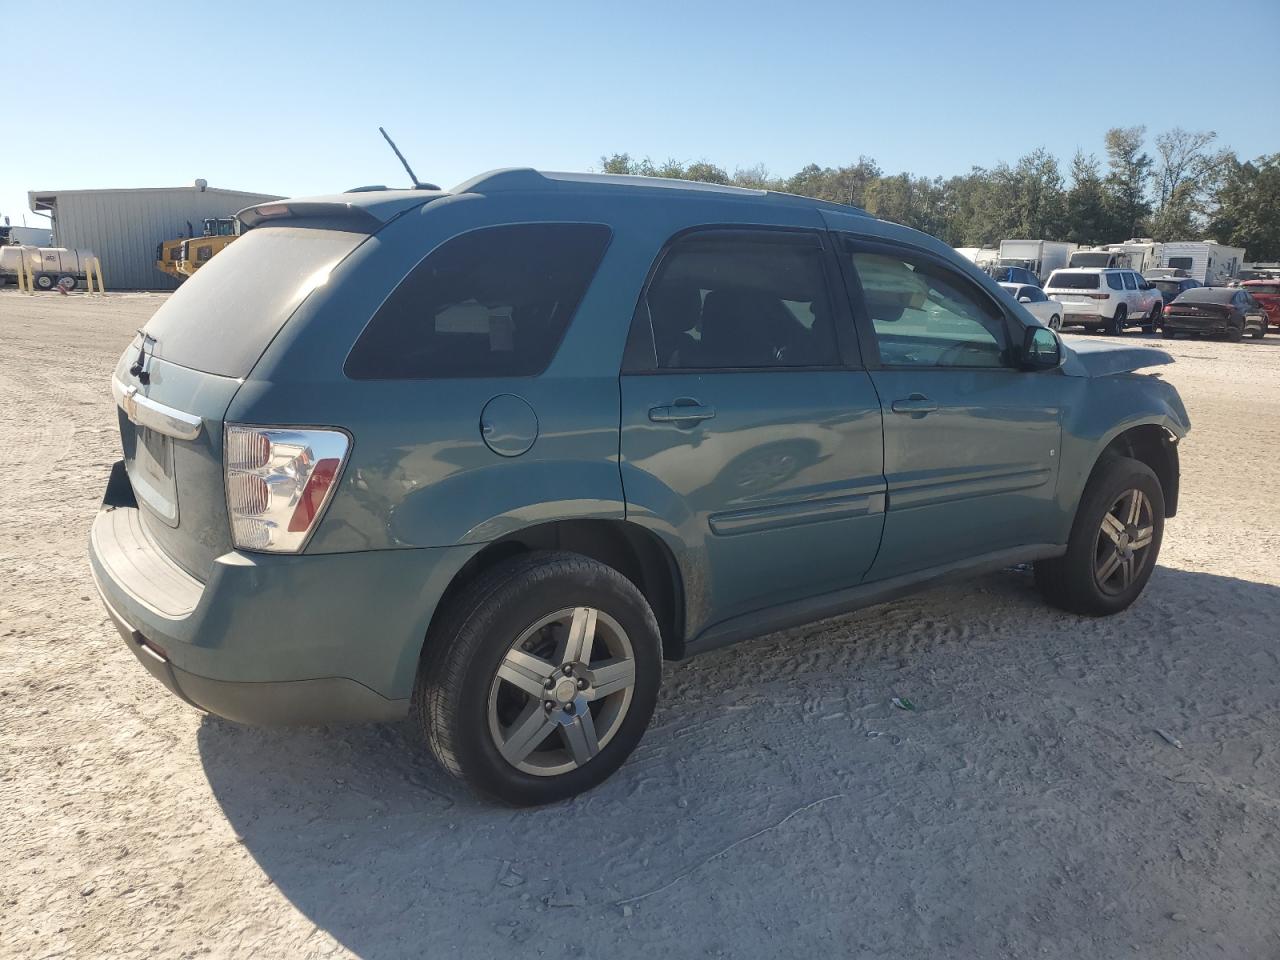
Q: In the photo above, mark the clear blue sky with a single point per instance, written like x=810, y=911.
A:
x=286, y=97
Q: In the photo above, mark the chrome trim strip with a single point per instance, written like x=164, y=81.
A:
x=153, y=415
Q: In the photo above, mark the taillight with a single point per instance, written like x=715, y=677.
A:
x=279, y=481
x=1100, y=296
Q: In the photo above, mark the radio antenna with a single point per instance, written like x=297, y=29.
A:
x=413, y=178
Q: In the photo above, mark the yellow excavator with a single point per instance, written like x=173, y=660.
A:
x=196, y=252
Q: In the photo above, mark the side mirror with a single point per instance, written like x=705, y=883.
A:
x=1041, y=349
x=1024, y=299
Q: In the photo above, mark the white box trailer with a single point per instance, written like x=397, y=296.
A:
x=1142, y=254
x=1205, y=260
x=1041, y=257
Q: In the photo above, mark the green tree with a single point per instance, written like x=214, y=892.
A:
x=1128, y=177
x=1086, y=214
x=1185, y=173
x=1247, y=211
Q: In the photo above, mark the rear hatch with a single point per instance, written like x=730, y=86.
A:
x=175, y=381
x=1073, y=287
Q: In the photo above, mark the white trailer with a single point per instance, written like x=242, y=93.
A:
x=49, y=266
x=1041, y=257
x=1205, y=260
x=1142, y=254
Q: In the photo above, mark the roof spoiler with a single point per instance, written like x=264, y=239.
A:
x=340, y=216
x=363, y=212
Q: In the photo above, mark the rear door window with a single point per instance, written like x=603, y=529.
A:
x=222, y=318
x=731, y=299
x=493, y=302
x=1114, y=281
x=1129, y=282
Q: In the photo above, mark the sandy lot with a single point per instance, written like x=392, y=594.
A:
x=779, y=804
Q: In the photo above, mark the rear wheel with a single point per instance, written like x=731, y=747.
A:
x=1234, y=333
x=541, y=678
x=1117, y=324
x=44, y=282
x=67, y=282
x=1114, y=541
x=1153, y=318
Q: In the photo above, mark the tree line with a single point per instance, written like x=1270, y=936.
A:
x=1186, y=188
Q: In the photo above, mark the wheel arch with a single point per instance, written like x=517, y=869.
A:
x=1153, y=444
x=634, y=551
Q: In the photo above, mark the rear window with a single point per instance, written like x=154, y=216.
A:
x=1181, y=263
x=489, y=303
x=1264, y=288
x=223, y=317
x=1170, y=288
x=1207, y=295
x=1074, y=281
x=1091, y=259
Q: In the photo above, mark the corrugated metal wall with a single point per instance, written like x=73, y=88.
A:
x=123, y=227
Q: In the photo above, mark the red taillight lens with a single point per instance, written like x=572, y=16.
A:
x=314, y=495
x=1100, y=296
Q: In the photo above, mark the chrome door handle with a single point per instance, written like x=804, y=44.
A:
x=917, y=404
x=682, y=414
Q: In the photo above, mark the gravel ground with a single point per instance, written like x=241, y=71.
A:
x=779, y=804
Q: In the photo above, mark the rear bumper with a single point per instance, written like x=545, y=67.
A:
x=1176, y=324
x=272, y=639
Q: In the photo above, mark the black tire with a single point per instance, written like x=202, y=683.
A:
x=44, y=282
x=1260, y=332
x=1070, y=582
x=67, y=282
x=1151, y=324
x=456, y=676
x=1234, y=333
x=1116, y=325
x=1055, y=323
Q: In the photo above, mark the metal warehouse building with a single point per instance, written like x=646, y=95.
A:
x=124, y=227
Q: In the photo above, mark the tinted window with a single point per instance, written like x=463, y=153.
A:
x=927, y=315
x=222, y=318
x=1183, y=263
x=488, y=303
x=1129, y=282
x=1074, y=281
x=1206, y=295
x=1035, y=294
x=1265, y=288
x=1114, y=281
x=724, y=299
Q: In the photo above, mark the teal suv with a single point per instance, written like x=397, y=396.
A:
x=486, y=457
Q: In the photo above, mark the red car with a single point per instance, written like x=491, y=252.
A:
x=1267, y=293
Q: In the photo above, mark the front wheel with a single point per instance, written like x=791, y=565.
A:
x=541, y=678
x=1114, y=541
x=1055, y=322
x=1261, y=332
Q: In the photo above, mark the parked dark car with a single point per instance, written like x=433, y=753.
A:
x=1171, y=287
x=1013, y=275
x=1226, y=312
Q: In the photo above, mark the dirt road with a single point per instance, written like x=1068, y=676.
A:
x=778, y=806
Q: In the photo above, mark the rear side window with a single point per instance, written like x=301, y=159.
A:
x=1129, y=282
x=1114, y=281
x=1074, y=281
x=222, y=318
x=493, y=302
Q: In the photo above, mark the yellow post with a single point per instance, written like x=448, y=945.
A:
x=97, y=266
x=88, y=275
x=26, y=276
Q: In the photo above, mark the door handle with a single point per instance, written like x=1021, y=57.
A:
x=917, y=405
x=682, y=413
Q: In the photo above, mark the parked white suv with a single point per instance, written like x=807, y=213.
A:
x=1104, y=298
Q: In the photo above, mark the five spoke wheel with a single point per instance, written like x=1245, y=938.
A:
x=1126, y=531
x=561, y=691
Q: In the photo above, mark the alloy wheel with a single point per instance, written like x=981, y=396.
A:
x=561, y=691
x=1124, y=540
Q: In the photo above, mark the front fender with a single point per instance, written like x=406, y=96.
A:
x=1106, y=408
